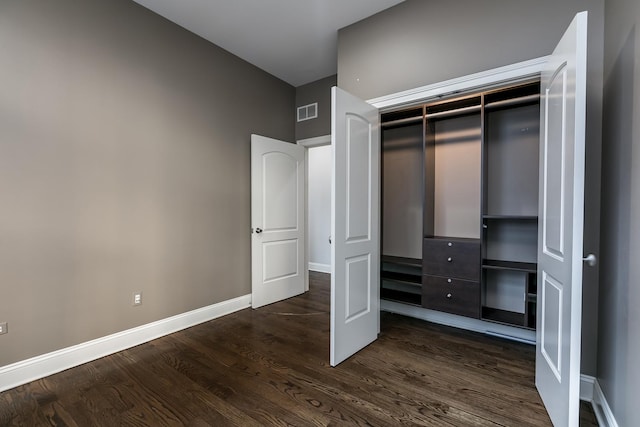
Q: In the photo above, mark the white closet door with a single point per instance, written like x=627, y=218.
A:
x=561, y=214
x=355, y=264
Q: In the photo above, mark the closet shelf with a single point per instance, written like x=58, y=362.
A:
x=492, y=264
x=404, y=121
x=408, y=262
x=504, y=316
x=402, y=297
x=512, y=102
x=410, y=279
x=456, y=112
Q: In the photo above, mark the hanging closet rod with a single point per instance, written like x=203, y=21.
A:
x=513, y=101
x=402, y=121
x=454, y=112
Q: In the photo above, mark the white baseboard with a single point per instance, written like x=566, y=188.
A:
x=587, y=384
x=590, y=391
x=48, y=364
x=601, y=407
x=322, y=268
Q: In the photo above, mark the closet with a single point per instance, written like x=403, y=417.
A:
x=460, y=204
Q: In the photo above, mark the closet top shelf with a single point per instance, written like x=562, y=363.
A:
x=513, y=102
x=525, y=94
x=454, y=112
x=404, y=121
x=402, y=117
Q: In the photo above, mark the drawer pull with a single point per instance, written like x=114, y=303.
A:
x=448, y=280
x=449, y=259
x=449, y=296
x=449, y=244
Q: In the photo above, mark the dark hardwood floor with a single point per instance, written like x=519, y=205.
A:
x=270, y=367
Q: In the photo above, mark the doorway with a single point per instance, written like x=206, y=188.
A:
x=318, y=203
x=319, y=208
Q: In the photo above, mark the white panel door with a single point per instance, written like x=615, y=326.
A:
x=277, y=220
x=355, y=270
x=563, y=109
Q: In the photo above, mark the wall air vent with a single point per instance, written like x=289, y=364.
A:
x=308, y=112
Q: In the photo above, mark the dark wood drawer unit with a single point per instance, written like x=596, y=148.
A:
x=457, y=258
x=454, y=296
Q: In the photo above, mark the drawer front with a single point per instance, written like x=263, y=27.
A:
x=454, y=296
x=451, y=258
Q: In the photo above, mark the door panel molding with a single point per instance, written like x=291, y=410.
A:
x=277, y=220
x=563, y=118
x=355, y=266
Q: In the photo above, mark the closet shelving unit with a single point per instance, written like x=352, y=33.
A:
x=402, y=174
x=403, y=279
x=460, y=204
x=510, y=204
x=451, y=228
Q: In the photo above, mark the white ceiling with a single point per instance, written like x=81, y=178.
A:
x=295, y=40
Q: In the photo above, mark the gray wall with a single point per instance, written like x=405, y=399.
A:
x=619, y=334
x=124, y=166
x=421, y=42
x=320, y=92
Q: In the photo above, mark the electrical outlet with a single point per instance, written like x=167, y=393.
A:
x=137, y=298
x=4, y=328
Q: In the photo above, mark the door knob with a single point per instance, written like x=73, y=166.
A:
x=329, y=239
x=591, y=260
x=258, y=230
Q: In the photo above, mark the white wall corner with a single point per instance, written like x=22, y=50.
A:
x=601, y=407
x=321, y=268
x=51, y=363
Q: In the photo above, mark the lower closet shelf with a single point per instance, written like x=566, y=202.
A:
x=401, y=296
x=401, y=280
x=505, y=317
